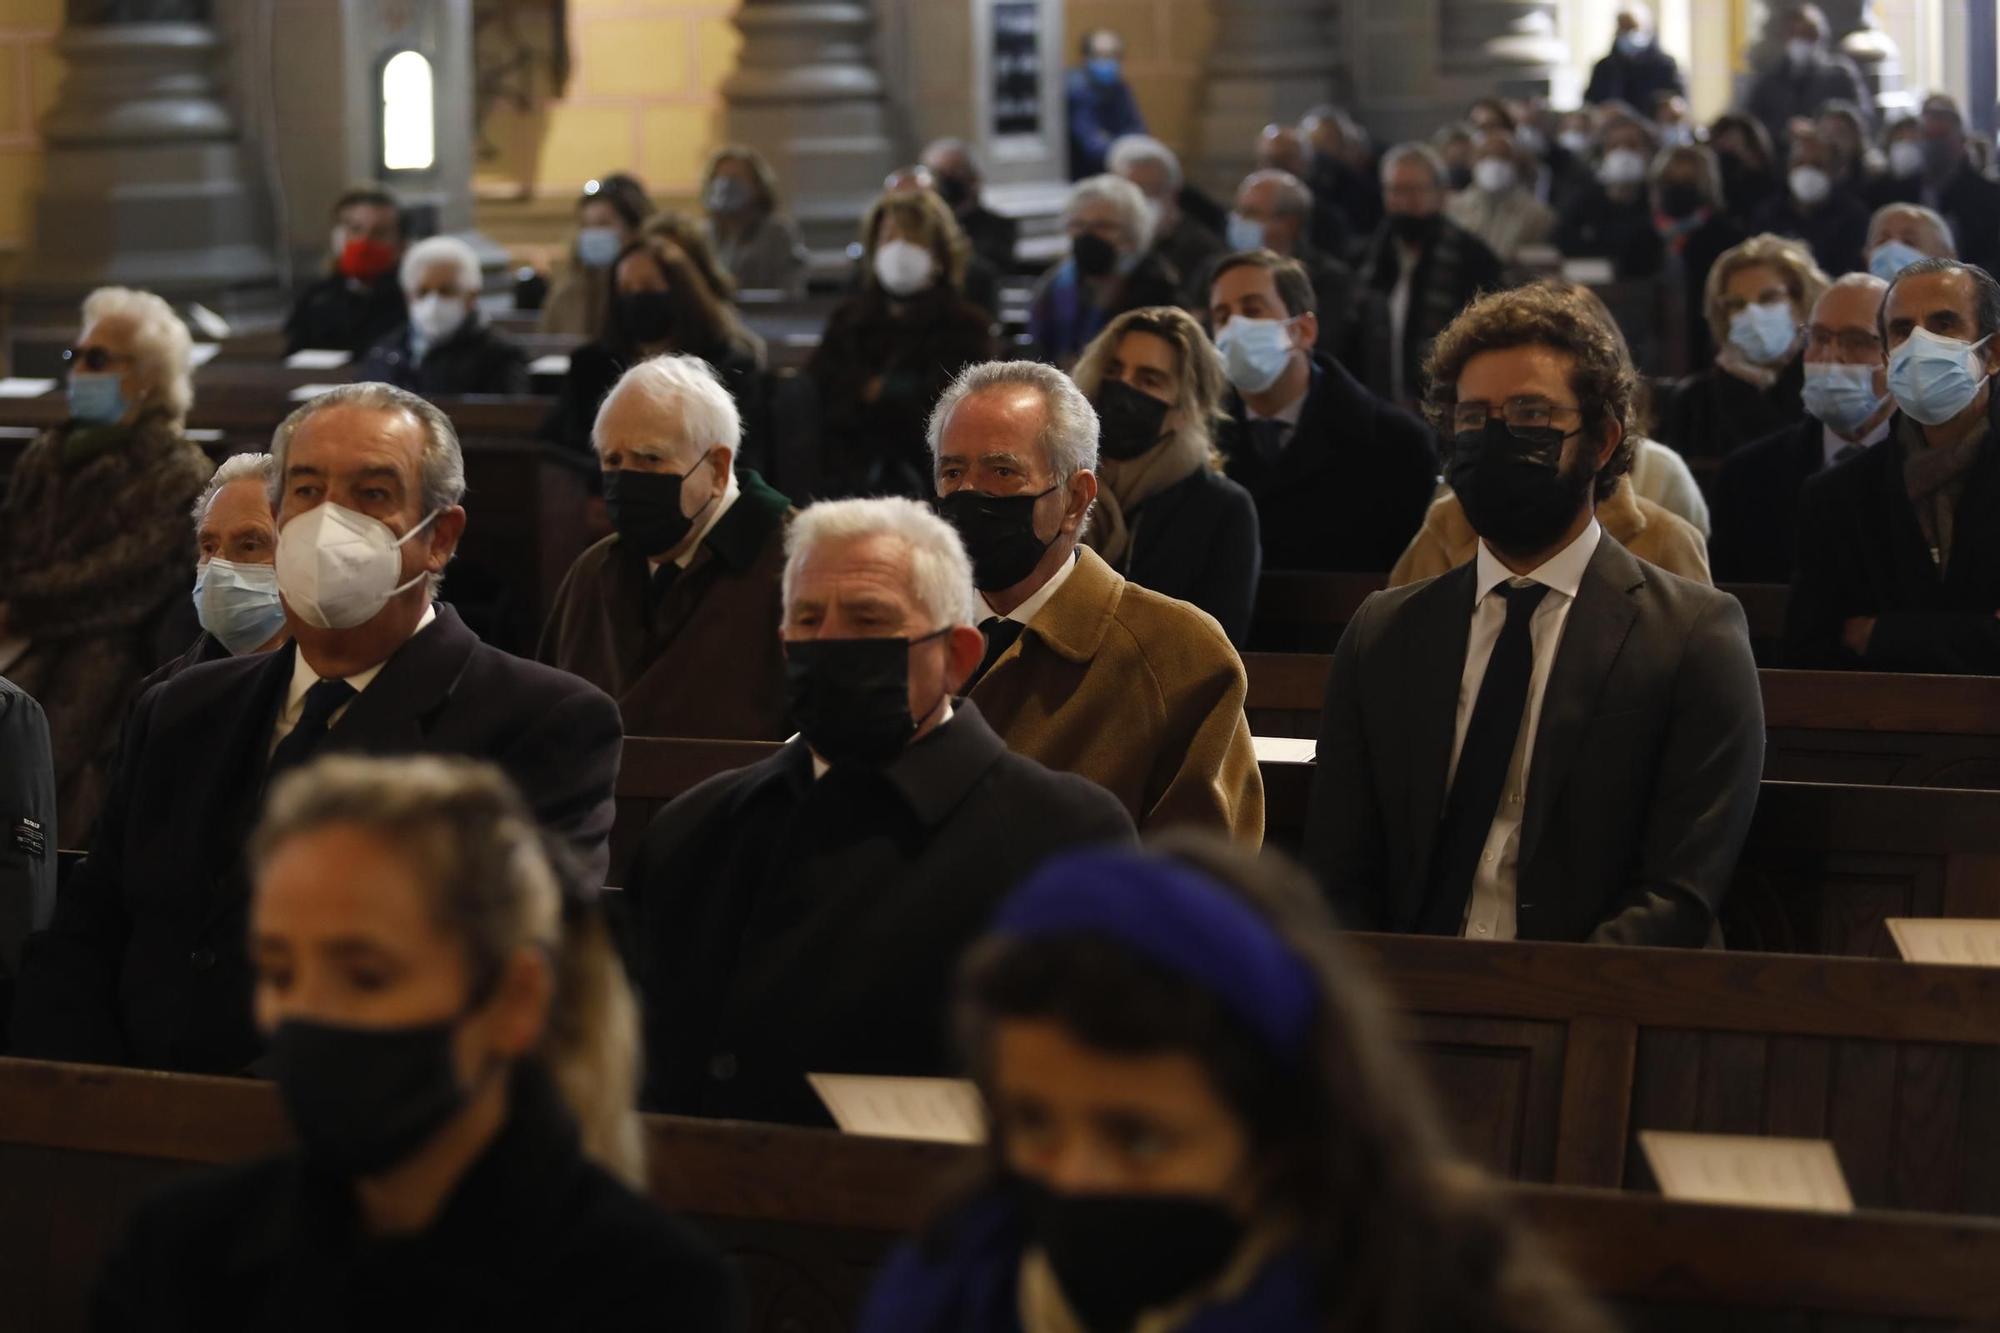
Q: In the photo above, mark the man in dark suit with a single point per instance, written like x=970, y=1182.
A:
x=1555, y=741
x=1340, y=477
x=671, y=614
x=359, y=301
x=1955, y=188
x=1273, y=212
x=1418, y=272
x=1899, y=547
x=1637, y=70
x=145, y=962
x=805, y=915
x=1756, y=500
x=1817, y=208
x=956, y=177
x=1804, y=78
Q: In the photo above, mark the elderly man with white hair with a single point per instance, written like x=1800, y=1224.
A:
x=94, y=543
x=1111, y=268
x=805, y=914
x=236, y=598
x=671, y=614
x=1179, y=238
x=1085, y=671
x=446, y=346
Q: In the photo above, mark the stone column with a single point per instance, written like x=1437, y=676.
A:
x=806, y=94
x=1419, y=66
x=145, y=180
x=1272, y=61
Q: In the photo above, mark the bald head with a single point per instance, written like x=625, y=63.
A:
x=1283, y=148
x=1843, y=323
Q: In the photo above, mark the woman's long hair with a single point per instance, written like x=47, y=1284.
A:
x=705, y=324
x=1398, y=1236
x=495, y=887
x=1197, y=363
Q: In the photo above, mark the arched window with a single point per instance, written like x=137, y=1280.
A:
x=409, y=121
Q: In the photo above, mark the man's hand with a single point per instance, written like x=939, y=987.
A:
x=1857, y=632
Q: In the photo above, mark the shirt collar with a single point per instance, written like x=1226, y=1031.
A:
x=304, y=677
x=1561, y=572
x=1025, y=612
x=1833, y=443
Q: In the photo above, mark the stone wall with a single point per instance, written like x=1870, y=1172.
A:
x=30, y=73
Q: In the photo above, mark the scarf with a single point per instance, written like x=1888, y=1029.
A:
x=1129, y=484
x=1731, y=361
x=1934, y=477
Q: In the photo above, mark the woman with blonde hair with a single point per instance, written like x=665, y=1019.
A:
x=1756, y=300
x=456, y=1048
x=759, y=246
x=1166, y=516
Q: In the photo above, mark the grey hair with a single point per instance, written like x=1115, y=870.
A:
x=952, y=144
x=940, y=570
x=443, y=464
x=1423, y=152
x=1295, y=200
x=161, y=346
x=440, y=250
x=1069, y=436
x=1133, y=150
x=1930, y=217
x=235, y=468
x=1122, y=195
x=687, y=389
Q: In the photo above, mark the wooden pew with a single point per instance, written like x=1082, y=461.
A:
x=1551, y=1058
x=807, y=1215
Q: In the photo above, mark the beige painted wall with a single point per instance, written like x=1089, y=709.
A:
x=29, y=76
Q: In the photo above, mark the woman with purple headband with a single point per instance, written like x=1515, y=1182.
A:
x=1199, y=1125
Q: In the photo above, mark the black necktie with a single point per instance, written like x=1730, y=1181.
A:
x=1482, y=763
x=1000, y=635
x=323, y=700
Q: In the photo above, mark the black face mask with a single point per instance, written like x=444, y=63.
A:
x=850, y=698
x=1413, y=230
x=1460, y=177
x=1117, y=1256
x=1679, y=201
x=1130, y=418
x=644, y=317
x=363, y=1099
x=1095, y=256
x=646, y=509
x=1515, y=492
x=955, y=192
x=999, y=535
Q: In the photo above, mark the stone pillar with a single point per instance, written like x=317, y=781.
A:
x=806, y=94
x=1418, y=66
x=1272, y=61
x=145, y=181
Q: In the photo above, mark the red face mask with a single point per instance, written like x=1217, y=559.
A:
x=365, y=260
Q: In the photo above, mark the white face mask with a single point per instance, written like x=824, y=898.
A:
x=1254, y=352
x=338, y=569
x=1495, y=175
x=1810, y=185
x=1622, y=166
x=904, y=268
x=1906, y=158
x=436, y=316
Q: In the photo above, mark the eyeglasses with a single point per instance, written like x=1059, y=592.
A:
x=91, y=358
x=1850, y=344
x=1520, y=414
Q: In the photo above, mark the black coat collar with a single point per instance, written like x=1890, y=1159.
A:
x=933, y=777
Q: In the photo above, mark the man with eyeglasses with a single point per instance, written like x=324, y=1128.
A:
x=1756, y=500
x=1556, y=741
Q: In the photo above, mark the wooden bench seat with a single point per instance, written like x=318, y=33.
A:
x=808, y=1214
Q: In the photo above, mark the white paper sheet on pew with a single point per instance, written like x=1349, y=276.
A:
x=555, y=363
x=208, y=322
x=16, y=386
x=318, y=358
x=939, y=1110
x=1283, y=749
x=1748, y=1170
x=200, y=354
x=305, y=391
x=1587, y=272
x=1962, y=941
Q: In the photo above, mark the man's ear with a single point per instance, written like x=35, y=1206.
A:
x=444, y=534
x=1614, y=435
x=1082, y=494
x=1306, y=330
x=719, y=460
x=964, y=649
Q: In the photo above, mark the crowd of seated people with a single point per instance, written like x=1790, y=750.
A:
x=979, y=569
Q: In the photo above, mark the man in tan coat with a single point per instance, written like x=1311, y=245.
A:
x=1084, y=671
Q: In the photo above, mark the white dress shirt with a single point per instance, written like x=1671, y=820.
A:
x=1025, y=612
x=304, y=678
x=1833, y=443
x=1407, y=260
x=1490, y=915
x=714, y=516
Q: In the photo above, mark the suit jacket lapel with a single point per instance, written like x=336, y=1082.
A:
x=1432, y=671
x=393, y=714
x=1595, y=632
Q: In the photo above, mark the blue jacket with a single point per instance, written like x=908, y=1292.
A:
x=1098, y=114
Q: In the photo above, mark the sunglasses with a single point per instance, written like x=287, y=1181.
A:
x=91, y=358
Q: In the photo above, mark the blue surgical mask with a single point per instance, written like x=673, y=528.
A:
x=1764, y=333
x=238, y=603
x=1254, y=351
x=1934, y=378
x=1244, y=233
x=1841, y=396
x=1104, y=69
x=597, y=247
x=95, y=398
x=1892, y=257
